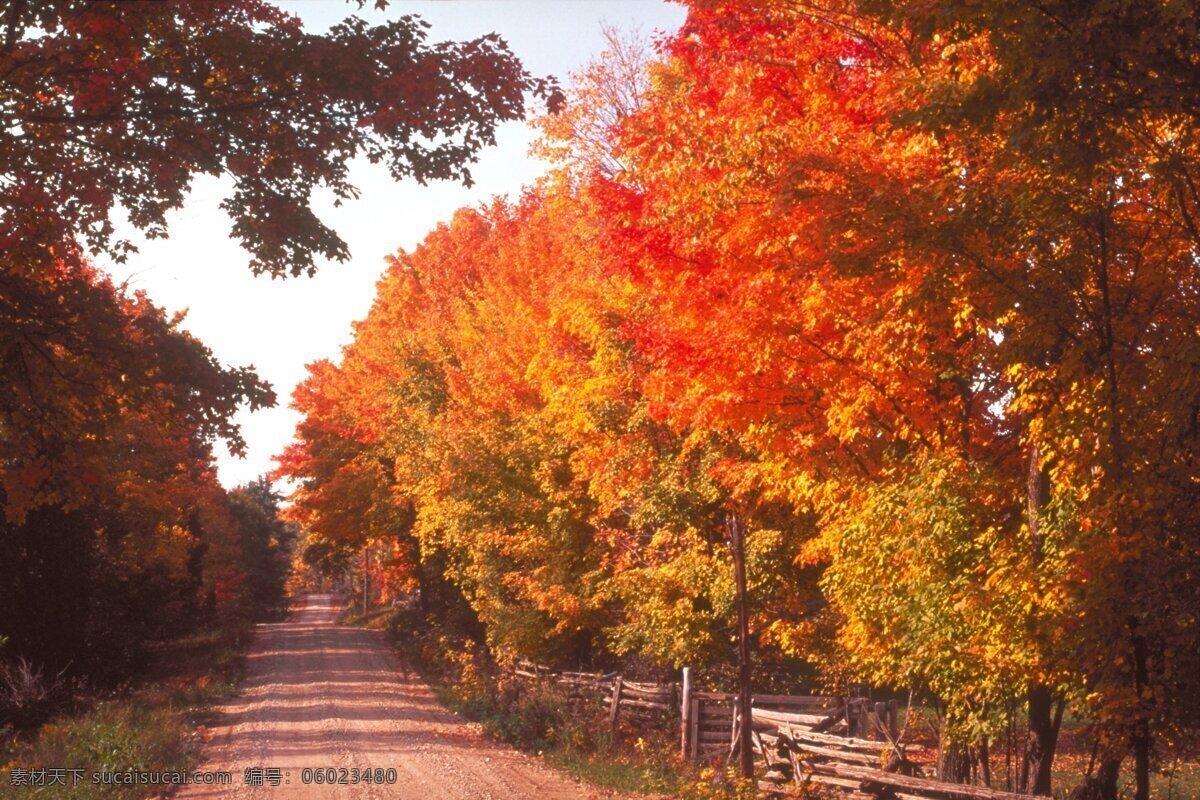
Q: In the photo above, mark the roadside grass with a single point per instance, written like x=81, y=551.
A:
x=542, y=721
x=649, y=768
x=114, y=736
x=584, y=746
x=154, y=725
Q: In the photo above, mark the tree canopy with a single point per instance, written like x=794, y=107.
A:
x=114, y=529
x=121, y=104
x=912, y=287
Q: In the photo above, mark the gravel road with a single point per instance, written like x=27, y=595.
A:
x=319, y=695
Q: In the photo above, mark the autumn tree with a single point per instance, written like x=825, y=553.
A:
x=113, y=523
x=265, y=541
x=118, y=104
x=911, y=287
x=121, y=104
x=344, y=500
x=1084, y=150
x=90, y=368
x=872, y=251
x=110, y=499
x=494, y=390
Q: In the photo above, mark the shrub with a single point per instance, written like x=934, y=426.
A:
x=26, y=694
x=113, y=737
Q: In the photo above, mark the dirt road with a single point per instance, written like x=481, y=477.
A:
x=320, y=696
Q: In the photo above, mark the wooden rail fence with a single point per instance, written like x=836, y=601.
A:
x=643, y=704
x=845, y=743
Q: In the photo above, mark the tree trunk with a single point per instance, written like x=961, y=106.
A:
x=1043, y=737
x=737, y=535
x=1102, y=785
x=1141, y=762
x=1140, y=740
x=366, y=582
x=956, y=763
x=1043, y=732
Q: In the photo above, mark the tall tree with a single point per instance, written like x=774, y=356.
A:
x=875, y=241
x=116, y=103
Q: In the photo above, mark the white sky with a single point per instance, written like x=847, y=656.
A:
x=278, y=326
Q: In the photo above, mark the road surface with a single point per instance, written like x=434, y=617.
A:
x=318, y=696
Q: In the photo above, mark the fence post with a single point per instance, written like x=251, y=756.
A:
x=733, y=732
x=616, y=702
x=864, y=729
x=848, y=710
x=881, y=720
x=685, y=711
x=694, y=733
x=893, y=726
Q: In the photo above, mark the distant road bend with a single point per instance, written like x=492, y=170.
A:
x=318, y=696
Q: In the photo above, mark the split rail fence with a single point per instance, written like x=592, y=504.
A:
x=643, y=704
x=846, y=743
